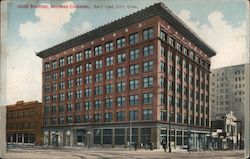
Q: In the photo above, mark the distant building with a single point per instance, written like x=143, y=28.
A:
x=228, y=87
x=24, y=123
x=2, y=131
x=147, y=71
x=224, y=134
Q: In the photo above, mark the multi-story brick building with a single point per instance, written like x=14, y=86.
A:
x=24, y=123
x=143, y=72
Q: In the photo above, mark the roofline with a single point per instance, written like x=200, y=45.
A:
x=158, y=9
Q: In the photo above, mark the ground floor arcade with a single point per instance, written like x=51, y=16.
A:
x=141, y=134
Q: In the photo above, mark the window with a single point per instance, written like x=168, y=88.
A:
x=69, y=107
x=54, y=64
x=98, y=90
x=78, y=94
x=54, y=76
x=170, y=70
x=109, y=46
x=97, y=118
x=162, y=98
x=88, y=79
x=147, y=114
x=133, y=84
x=120, y=101
x=120, y=116
x=178, y=46
x=170, y=56
x=79, y=69
x=61, y=62
x=134, y=54
x=148, y=82
x=69, y=59
x=148, y=66
x=79, y=56
x=61, y=85
x=61, y=108
x=79, y=81
x=171, y=41
x=120, y=43
x=61, y=96
x=109, y=88
x=162, y=82
x=98, y=50
x=148, y=50
x=147, y=98
x=70, y=83
x=191, y=54
x=88, y=66
x=46, y=66
x=69, y=119
x=78, y=119
x=121, y=86
x=162, y=65
x=133, y=100
x=148, y=34
x=162, y=50
x=108, y=102
x=87, y=53
x=98, y=64
x=62, y=74
x=98, y=77
x=185, y=51
x=109, y=74
x=87, y=105
x=54, y=87
x=133, y=38
x=98, y=104
x=121, y=58
x=109, y=61
x=133, y=115
x=70, y=95
x=70, y=71
x=108, y=117
x=134, y=69
x=163, y=35
x=61, y=120
x=87, y=92
x=78, y=106
x=121, y=72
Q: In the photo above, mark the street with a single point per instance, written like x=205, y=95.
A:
x=106, y=153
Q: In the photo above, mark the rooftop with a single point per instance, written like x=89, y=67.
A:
x=158, y=9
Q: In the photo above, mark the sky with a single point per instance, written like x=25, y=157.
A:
x=222, y=24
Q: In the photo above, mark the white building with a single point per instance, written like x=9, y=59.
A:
x=228, y=89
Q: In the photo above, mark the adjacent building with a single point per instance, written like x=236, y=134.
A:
x=247, y=115
x=224, y=134
x=140, y=79
x=24, y=123
x=228, y=90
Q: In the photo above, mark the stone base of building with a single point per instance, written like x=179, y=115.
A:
x=139, y=135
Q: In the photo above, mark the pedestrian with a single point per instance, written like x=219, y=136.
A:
x=164, y=146
x=135, y=145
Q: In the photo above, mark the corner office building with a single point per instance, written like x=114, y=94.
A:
x=143, y=71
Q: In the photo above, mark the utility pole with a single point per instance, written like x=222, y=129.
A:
x=130, y=136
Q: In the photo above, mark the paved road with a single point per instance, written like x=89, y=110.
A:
x=78, y=153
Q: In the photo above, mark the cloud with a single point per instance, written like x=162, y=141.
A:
x=24, y=68
x=228, y=41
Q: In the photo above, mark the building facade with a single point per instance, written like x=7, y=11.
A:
x=225, y=134
x=247, y=115
x=135, y=80
x=24, y=123
x=229, y=86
